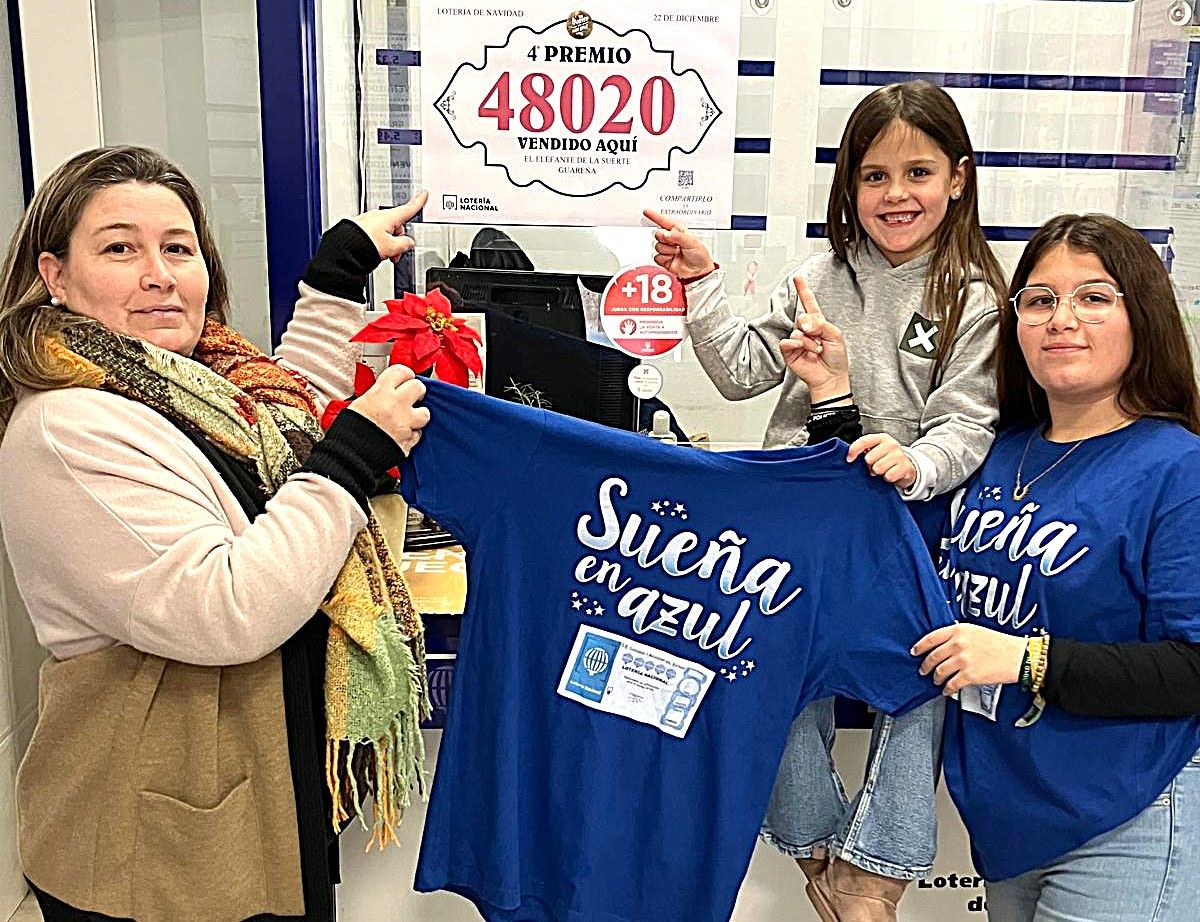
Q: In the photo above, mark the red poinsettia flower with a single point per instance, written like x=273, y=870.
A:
x=363, y=379
x=426, y=335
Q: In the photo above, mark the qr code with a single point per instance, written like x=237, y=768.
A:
x=685, y=178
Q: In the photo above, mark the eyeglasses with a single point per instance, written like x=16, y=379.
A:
x=1091, y=303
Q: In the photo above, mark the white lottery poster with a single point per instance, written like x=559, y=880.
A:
x=559, y=115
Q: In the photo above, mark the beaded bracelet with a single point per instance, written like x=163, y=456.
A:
x=1037, y=657
x=1043, y=661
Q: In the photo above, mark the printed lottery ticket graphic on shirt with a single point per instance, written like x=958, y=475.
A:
x=620, y=676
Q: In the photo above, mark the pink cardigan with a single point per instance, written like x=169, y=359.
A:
x=120, y=531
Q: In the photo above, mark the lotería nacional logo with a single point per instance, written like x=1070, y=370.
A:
x=468, y=203
x=579, y=24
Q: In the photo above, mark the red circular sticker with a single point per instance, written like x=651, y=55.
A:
x=642, y=311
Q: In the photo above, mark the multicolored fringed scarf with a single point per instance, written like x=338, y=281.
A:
x=260, y=413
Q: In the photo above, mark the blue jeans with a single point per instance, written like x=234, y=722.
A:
x=891, y=825
x=1147, y=870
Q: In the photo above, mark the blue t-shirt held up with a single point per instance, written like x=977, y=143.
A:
x=643, y=623
x=1102, y=549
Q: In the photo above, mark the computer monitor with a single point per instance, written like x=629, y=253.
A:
x=532, y=364
x=545, y=299
x=537, y=350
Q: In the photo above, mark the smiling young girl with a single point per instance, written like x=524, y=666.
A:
x=912, y=284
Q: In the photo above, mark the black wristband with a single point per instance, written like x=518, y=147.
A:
x=344, y=259
x=830, y=400
x=355, y=454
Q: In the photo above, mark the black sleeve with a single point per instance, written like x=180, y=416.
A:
x=834, y=423
x=344, y=259
x=355, y=454
x=1124, y=680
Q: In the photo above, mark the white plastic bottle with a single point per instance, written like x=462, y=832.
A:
x=661, y=428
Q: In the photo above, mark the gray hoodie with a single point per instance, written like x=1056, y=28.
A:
x=891, y=342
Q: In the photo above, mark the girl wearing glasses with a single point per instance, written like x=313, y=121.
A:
x=1072, y=561
x=915, y=287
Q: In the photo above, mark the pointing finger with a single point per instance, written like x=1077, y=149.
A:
x=663, y=222
x=808, y=301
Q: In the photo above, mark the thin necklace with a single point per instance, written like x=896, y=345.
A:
x=1020, y=491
